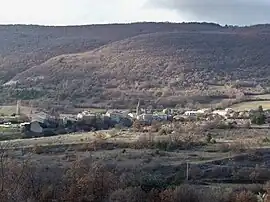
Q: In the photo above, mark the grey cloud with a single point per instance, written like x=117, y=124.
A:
x=234, y=12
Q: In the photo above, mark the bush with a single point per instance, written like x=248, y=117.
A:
x=208, y=137
x=234, y=147
x=156, y=126
x=183, y=193
x=137, y=126
x=244, y=196
x=162, y=132
x=130, y=194
x=259, y=117
x=37, y=149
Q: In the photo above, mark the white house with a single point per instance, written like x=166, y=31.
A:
x=85, y=115
x=191, y=113
x=229, y=110
x=223, y=113
x=132, y=115
x=204, y=111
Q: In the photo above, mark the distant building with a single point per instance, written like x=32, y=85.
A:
x=160, y=117
x=115, y=116
x=85, y=115
x=32, y=129
x=35, y=127
x=204, y=111
x=145, y=118
x=191, y=113
x=132, y=115
x=224, y=113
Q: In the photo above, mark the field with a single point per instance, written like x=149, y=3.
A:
x=237, y=158
x=9, y=110
x=215, y=163
x=251, y=105
x=264, y=96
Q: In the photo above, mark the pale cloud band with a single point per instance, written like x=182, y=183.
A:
x=75, y=12
x=235, y=12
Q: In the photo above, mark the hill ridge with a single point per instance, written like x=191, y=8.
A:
x=164, y=63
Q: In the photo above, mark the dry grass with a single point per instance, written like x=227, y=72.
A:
x=238, y=146
x=9, y=110
x=37, y=149
x=251, y=105
x=245, y=196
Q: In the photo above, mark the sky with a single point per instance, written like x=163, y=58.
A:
x=78, y=12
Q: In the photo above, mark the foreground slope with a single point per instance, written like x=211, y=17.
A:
x=156, y=66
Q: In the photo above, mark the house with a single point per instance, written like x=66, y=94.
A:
x=204, y=111
x=85, y=115
x=132, y=115
x=224, y=113
x=244, y=115
x=40, y=117
x=160, y=117
x=119, y=117
x=32, y=129
x=46, y=120
x=179, y=118
x=35, y=127
x=168, y=111
x=198, y=112
x=114, y=115
x=23, y=124
x=147, y=118
x=191, y=113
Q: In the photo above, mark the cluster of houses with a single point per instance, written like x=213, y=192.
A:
x=226, y=113
x=43, y=124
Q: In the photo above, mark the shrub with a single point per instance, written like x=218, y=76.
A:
x=183, y=193
x=234, y=146
x=162, y=132
x=223, y=147
x=130, y=194
x=259, y=117
x=156, y=126
x=208, y=137
x=137, y=126
x=37, y=149
x=244, y=196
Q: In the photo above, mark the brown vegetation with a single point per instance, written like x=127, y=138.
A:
x=161, y=63
x=90, y=181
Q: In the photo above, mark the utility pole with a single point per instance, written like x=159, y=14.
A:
x=187, y=172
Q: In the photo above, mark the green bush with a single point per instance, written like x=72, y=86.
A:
x=258, y=118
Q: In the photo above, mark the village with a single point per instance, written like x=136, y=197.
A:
x=40, y=123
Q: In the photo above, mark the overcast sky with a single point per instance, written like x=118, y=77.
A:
x=71, y=12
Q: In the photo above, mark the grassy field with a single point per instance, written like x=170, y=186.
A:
x=251, y=105
x=9, y=110
x=265, y=96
